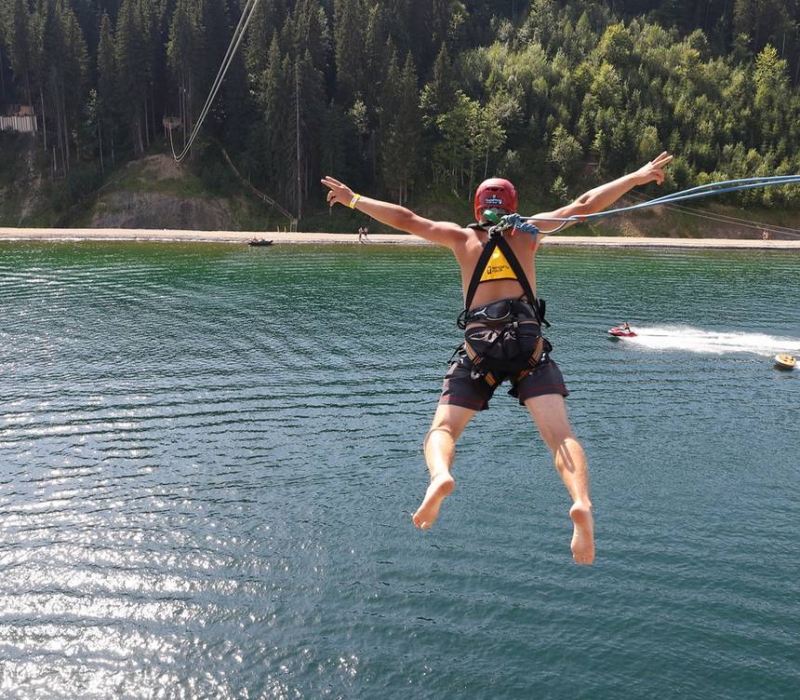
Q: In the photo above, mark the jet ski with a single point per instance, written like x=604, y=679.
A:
x=623, y=331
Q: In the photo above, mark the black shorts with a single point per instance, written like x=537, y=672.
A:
x=460, y=388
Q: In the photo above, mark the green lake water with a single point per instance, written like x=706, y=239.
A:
x=209, y=455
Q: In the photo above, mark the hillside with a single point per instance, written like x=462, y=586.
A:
x=151, y=192
x=155, y=192
x=405, y=101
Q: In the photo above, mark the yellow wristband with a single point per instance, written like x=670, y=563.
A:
x=353, y=201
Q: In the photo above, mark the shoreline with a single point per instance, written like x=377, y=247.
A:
x=282, y=237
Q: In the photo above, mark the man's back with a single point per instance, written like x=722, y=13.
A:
x=468, y=251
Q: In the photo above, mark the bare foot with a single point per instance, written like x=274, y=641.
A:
x=583, y=535
x=441, y=487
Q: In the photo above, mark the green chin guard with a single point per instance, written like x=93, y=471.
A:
x=492, y=215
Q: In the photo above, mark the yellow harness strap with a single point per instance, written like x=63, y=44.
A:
x=498, y=268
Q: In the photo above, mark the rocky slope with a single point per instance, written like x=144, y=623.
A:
x=149, y=195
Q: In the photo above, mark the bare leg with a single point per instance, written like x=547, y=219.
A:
x=440, y=451
x=550, y=414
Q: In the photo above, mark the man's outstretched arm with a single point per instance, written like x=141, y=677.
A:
x=442, y=232
x=604, y=196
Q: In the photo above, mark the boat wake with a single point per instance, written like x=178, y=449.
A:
x=712, y=342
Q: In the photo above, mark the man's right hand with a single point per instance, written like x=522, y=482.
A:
x=339, y=192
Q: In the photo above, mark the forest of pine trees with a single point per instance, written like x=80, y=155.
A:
x=403, y=97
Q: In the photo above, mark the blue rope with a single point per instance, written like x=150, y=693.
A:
x=522, y=223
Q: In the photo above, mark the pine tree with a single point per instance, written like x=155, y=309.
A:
x=309, y=104
x=149, y=21
x=131, y=72
x=38, y=66
x=215, y=34
x=408, y=130
x=375, y=56
x=401, y=128
x=423, y=43
x=348, y=45
x=772, y=87
x=52, y=81
x=440, y=93
x=20, y=46
x=107, y=99
x=306, y=37
x=275, y=86
x=442, y=14
x=239, y=109
x=269, y=18
x=74, y=66
x=376, y=41
x=182, y=50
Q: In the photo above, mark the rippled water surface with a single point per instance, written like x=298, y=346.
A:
x=209, y=456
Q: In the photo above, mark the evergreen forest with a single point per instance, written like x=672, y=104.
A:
x=412, y=99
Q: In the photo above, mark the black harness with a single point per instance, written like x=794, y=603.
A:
x=496, y=240
x=516, y=348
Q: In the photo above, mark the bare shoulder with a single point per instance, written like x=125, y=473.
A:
x=444, y=233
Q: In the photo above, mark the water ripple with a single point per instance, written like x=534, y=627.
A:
x=210, y=457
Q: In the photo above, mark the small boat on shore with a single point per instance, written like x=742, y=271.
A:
x=259, y=242
x=624, y=331
x=785, y=361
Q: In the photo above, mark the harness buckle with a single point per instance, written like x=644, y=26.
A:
x=477, y=372
x=533, y=360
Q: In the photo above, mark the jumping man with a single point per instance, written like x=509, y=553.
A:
x=502, y=322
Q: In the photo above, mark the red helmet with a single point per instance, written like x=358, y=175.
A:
x=495, y=193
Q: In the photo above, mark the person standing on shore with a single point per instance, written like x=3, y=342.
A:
x=502, y=320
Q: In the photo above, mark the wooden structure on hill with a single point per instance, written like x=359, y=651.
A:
x=22, y=120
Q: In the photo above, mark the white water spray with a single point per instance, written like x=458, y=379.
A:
x=712, y=342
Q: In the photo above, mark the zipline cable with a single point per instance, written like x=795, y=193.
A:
x=724, y=218
x=523, y=222
x=244, y=20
